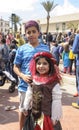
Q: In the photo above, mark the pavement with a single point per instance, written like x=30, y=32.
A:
x=9, y=120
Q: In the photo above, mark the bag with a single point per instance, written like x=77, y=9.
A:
x=29, y=123
x=71, y=55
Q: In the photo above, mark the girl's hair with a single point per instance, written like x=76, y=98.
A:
x=66, y=48
x=51, y=65
x=30, y=24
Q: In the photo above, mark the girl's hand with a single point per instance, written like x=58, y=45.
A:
x=54, y=122
x=25, y=113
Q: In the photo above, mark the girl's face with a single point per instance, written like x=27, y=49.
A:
x=32, y=35
x=42, y=66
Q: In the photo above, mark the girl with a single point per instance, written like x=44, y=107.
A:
x=45, y=93
x=65, y=58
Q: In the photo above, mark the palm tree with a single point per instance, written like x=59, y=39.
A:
x=15, y=19
x=48, y=6
x=73, y=26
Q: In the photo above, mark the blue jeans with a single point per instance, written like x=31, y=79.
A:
x=77, y=77
x=77, y=81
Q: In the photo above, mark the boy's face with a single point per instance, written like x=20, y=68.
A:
x=32, y=35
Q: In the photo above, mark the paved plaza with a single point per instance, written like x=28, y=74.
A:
x=70, y=120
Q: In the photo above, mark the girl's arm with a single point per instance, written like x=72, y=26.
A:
x=28, y=99
x=56, y=112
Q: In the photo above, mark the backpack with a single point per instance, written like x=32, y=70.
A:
x=12, y=56
x=4, y=52
x=2, y=63
x=1, y=52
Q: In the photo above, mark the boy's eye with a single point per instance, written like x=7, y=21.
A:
x=29, y=32
x=34, y=31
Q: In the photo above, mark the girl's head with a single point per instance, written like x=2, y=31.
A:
x=44, y=65
x=44, y=69
x=66, y=47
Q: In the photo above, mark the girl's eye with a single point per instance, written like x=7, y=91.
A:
x=44, y=63
x=39, y=63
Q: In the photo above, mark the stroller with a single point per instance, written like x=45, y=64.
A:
x=6, y=75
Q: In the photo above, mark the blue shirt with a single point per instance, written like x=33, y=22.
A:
x=23, y=56
x=75, y=48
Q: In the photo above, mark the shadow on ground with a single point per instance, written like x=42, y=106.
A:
x=67, y=98
x=8, y=99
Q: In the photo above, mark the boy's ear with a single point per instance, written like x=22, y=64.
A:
x=38, y=33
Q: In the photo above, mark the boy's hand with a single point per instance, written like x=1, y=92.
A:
x=26, y=78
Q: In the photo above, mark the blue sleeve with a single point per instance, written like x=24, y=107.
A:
x=75, y=47
x=18, y=57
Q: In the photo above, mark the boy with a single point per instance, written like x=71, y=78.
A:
x=21, y=63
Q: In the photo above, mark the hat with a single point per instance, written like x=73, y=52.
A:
x=46, y=54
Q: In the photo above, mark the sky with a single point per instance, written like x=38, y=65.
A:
x=32, y=9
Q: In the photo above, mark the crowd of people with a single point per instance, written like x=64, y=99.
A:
x=35, y=59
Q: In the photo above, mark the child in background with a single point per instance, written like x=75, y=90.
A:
x=65, y=58
x=44, y=93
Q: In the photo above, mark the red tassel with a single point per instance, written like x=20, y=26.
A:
x=37, y=127
x=47, y=125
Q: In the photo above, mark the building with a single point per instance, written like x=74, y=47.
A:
x=60, y=23
x=4, y=26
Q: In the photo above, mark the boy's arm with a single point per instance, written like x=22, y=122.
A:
x=26, y=78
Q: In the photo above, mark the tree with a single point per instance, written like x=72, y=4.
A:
x=48, y=6
x=73, y=26
x=15, y=19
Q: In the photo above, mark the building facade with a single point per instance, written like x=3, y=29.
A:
x=4, y=26
x=61, y=23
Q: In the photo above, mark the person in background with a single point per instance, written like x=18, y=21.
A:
x=11, y=60
x=20, y=40
x=22, y=59
x=75, y=50
x=55, y=50
x=72, y=56
x=65, y=58
x=49, y=39
x=45, y=93
x=5, y=53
